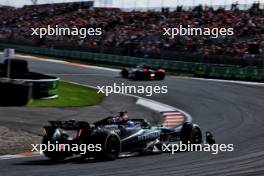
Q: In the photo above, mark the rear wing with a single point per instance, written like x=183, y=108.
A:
x=70, y=124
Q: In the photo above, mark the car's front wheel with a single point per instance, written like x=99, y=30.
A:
x=124, y=73
x=110, y=146
x=191, y=134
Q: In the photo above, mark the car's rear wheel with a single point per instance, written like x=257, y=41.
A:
x=160, y=76
x=54, y=155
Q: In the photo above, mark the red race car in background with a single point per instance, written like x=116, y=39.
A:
x=143, y=72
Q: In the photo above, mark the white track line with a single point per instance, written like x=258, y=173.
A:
x=66, y=62
x=150, y=104
x=26, y=155
x=225, y=81
x=154, y=105
x=4, y=157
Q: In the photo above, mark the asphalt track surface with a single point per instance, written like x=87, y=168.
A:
x=233, y=112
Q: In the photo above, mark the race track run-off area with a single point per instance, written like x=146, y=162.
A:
x=232, y=112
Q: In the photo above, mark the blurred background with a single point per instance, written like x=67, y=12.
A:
x=135, y=27
x=135, y=3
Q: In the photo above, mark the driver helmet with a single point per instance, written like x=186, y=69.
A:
x=130, y=124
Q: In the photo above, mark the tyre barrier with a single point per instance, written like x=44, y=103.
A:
x=42, y=86
x=14, y=93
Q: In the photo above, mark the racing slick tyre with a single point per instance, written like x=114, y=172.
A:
x=137, y=76
x=14, y=93
x=110, y=146
x=191, y=134
x=1, y=67
x=160, y=76
x=124, y=73
x=54, y=155
x=18, y=67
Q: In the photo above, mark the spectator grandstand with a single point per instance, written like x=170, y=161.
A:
x=139, y=33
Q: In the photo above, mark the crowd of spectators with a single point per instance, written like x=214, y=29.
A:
x=138, y=32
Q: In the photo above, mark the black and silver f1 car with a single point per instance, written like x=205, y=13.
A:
x=143, y=72
x=117, y=137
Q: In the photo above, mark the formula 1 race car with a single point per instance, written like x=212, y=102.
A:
x=116, y=136
x=143, y=72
